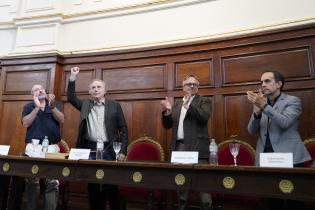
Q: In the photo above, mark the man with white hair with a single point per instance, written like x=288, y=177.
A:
x=100, y=119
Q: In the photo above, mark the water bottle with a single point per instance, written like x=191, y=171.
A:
x=213, y=158
x=99, y=149
x=45, y=144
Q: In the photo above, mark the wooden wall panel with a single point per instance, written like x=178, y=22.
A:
x=295, y=64
x=11, y=131
x=202, y=69
x=83, y=80
x=147, y=120
x=140, y=78
x=29, y=78
x=237, y=113
x=71, y=124
x=306, y=125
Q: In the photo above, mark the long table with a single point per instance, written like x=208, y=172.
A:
x=295, y=183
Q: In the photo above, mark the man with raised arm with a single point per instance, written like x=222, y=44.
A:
x=100, y=119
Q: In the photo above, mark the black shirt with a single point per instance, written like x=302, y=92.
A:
x=43, y=125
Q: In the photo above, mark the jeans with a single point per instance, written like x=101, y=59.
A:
x=51, y=193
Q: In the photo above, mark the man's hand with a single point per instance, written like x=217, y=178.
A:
x=166, y=104
x=257, y=99
x=51, y=100
x=121, y=157
x=36, y=101
x=74, y=72
x=186, y=100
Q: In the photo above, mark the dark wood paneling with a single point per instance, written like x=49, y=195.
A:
x=141, y=78
x=237, y=112
x=201, y=69
x=71, y=124
x=11, y=131
x=307, y=125
x=295, y=64
x=83, y=80
x=29, y=78
x=147, y=120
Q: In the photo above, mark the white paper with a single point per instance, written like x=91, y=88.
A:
x=34, y=151
x=4, y=149
x=277, y=160
x=79, y=154
x=184, y=157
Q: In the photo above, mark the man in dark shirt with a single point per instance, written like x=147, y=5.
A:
x=42, y=117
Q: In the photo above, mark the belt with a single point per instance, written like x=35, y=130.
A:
x=180, y=141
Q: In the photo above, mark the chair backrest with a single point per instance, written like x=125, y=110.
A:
x=145, y=148
x=63, y=146
x=310, y=146
x=246, y=156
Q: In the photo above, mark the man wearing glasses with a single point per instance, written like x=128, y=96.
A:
x=189, y=119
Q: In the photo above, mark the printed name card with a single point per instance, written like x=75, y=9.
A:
x=184, y=157
x=276, y=160
x=79, y=154
x=4, y=149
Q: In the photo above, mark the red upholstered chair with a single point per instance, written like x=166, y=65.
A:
x=310, y=146
x=143, y=149
x=245, y=157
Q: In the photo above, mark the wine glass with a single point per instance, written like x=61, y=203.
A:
x=117, y=147
x=234, y=149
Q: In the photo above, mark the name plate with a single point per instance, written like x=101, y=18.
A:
x=4, y=149
x=276, y=160
x=79, y=154
x=184, y=157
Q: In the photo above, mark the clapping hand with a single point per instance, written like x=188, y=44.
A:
x=166, y=104
x=51, y=100
x=186, y=100
x=258, y=100
x=36, y=101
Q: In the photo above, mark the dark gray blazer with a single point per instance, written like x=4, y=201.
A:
x=115, y=123
x=195, y=124
x=283, y=128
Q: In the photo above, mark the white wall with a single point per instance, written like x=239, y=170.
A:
x=76, y=26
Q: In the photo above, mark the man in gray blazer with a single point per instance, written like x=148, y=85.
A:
x=102, y=119
x=189, y=120
x=275, y=116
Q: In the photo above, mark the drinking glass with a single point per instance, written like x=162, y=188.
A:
x=117, y=147
x=35, y=143
x=234, y=149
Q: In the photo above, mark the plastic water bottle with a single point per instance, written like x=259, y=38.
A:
x=45, y=144
x=213, y=158
x=99, y=149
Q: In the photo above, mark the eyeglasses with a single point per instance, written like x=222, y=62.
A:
x=191, y=84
